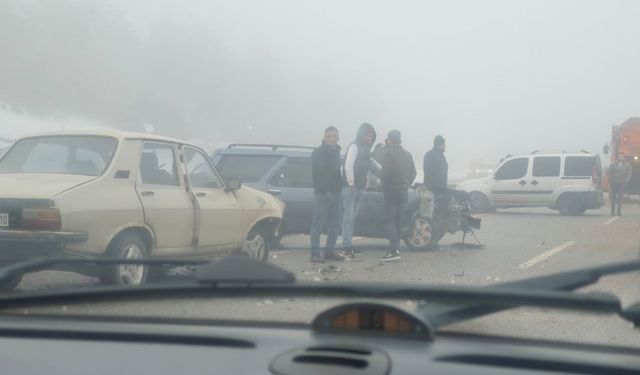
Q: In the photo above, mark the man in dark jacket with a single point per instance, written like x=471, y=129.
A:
x=398, y=173
x=357, y=160
x=436, y=168
x=619, y=174
x=327, y=181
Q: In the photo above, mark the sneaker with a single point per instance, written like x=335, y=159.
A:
x=356, y=251
x=334, y=255
x=317, y=258
x=390, y=256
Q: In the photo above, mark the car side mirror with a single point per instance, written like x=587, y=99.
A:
x=605, y=149
x=234, y=184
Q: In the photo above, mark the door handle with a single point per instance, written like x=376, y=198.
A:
x=201, y=195
x=522, y=182
x=274, y=191
x=534, y=182
x=147, y=193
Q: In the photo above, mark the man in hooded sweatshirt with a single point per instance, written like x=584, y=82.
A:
x=355, y=170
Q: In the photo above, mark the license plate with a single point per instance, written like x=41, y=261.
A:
x=4, y=220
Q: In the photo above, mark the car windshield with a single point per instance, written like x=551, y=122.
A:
x=65, y=155
x=450, y=143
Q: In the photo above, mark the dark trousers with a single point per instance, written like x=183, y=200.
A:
x=394, y=204
x=327, y=213
x=615, y=194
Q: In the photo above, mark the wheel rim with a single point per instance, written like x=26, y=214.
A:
x=255, y=246
x=131, y=274
x=421, y=233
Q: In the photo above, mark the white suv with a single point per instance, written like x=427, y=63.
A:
x=570, y=183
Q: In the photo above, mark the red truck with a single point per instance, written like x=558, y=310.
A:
x=625, y=139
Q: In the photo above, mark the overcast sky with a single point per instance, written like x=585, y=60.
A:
x=493, y=77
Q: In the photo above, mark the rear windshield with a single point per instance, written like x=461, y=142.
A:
x=580, y=166
x=83, y=155
x=246, y=168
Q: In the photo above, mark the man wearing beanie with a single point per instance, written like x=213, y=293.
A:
x=436, y=168
x=398, y=173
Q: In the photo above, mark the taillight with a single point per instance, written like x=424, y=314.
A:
x=595, y=176
x=41, y=219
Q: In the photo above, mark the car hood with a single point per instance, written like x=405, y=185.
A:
x=472, y=182
x=38, y=185
x=253, y=199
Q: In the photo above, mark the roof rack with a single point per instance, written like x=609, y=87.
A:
x=562, y=152
x=272, y=147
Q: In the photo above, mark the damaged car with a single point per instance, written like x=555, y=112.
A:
x=125, y=195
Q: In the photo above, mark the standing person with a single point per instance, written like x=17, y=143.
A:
x=398, y=173
x=354, y=173
x=619, y=174
x=436, y=168
x=327, y=182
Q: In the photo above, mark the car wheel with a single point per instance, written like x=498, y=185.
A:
x=276, y=241
x=256, y=245
x=479, y=202
x=126, y=246
x=569, y=204
x=423, y=235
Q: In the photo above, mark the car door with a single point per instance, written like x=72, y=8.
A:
x=168, y=208
x=545, y=180
x=218, y=212
x=509, y=185
x=293, y=184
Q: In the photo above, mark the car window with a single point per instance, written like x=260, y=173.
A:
x=295, y=173
x=513, y=169
x=546, y=166
x=201, y=173
x=84, y=155
x=579, y=166
x=158, y=165
x=246, y=168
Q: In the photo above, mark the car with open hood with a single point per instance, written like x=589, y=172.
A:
x=125, y=195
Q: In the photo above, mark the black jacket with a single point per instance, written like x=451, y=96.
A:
x=436, y=169
x=398, y=169
x=357, y=159
x=326, y=169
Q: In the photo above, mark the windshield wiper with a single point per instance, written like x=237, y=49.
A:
x=234, y=277
x=39, y=264
x=440, y=315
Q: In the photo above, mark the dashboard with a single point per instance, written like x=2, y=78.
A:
x=87, y=345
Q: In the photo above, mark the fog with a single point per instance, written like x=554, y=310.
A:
x=493, y=77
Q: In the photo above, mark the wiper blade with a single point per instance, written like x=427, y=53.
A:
x=232, y=269
x=40, y=264
x=440, y=315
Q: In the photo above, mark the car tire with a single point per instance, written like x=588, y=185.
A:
x=276, y=241
x=423, y=235
x=256, y=246
x=569, y=204
x=479, y=203
x=126, y=246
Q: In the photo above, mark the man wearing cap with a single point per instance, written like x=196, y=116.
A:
x=436, y=168
x=398, y=173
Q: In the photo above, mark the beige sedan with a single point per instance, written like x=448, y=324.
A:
x=125, y=195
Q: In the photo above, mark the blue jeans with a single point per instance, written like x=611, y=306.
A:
x=351, y=205
x=326, y=213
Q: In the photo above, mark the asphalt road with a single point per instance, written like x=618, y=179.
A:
x=519, y=243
